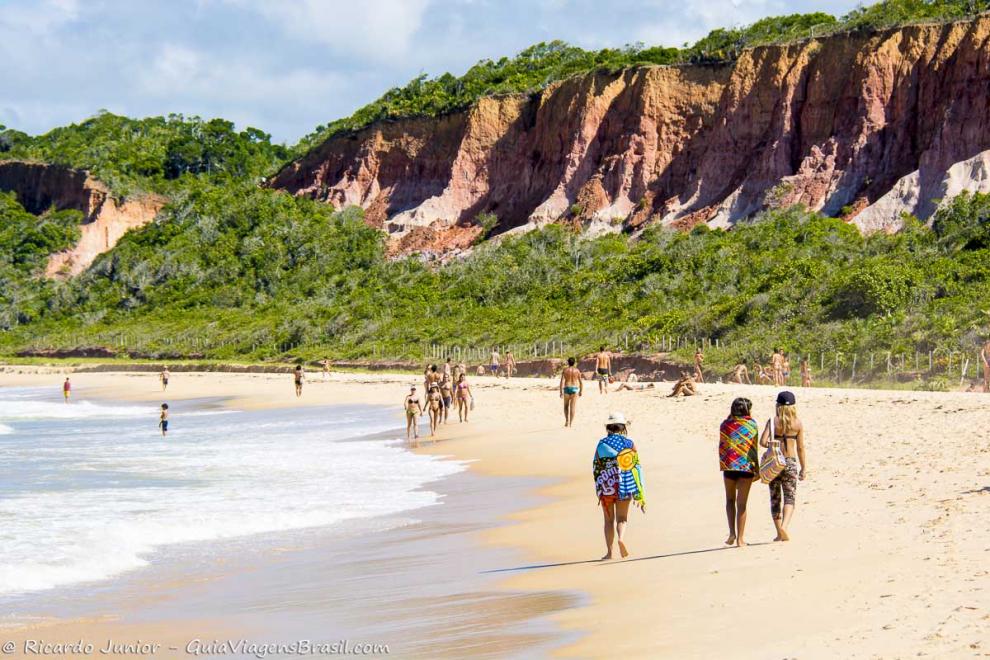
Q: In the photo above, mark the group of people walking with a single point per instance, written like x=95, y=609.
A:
x=619, y=479
x=445, y=387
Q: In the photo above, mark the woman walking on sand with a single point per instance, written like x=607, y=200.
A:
x=414, y=409
x=739, y=460
x=618, y=480
x=787, y=429
x=465, y=399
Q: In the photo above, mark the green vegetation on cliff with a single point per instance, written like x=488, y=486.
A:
x=542, y=64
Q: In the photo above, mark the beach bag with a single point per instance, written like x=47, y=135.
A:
x=773, y=461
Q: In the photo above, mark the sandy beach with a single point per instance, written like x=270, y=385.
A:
x=890, y=545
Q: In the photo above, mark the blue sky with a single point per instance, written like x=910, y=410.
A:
x=287, y=66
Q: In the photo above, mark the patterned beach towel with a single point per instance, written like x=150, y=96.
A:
x=737, y=444
x=617, y=470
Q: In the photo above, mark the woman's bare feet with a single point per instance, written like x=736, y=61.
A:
x=731, y=540
x=782, y=536
x=740, y=543
x=623, y=550
x=607, y=556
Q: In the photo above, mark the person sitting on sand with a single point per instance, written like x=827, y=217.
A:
x=740, y=374
x=67, y=389
x=163, y=420
x=446, y=396
x=618, y=480
x=164, y=376
x=481, y=370
x=789, y=431
x=571, y=387
x=632, y=377
x=465, y=399
x=805, y=373
x=685, y=386
x=739, y=461
x=411, y=404
x=763, y=374
x=603, y=369
x=985, y=357
x=434, y=402
x=298, y=377
x=699, y=360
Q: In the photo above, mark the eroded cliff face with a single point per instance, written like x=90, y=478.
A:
x=861, y=125
x=106, y=219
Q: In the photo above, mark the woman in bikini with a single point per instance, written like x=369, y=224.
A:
x=464, y=396
x=413, y=409
x=739, y=460
x=447, y=396
x=435, y=405
x=789, y=431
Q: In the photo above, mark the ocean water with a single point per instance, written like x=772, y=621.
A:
x=90, y=490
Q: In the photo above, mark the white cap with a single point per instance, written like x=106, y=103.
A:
x=617, y=418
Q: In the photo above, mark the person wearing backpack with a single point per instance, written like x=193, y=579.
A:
x=784, y=433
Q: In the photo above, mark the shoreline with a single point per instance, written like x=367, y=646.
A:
x=886, y=512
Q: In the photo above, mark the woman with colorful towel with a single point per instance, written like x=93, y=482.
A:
x=788, y=430
x=618, y=480
x=739, y=460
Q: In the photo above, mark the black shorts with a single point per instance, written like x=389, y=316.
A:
x=164, y=425
x=737, y=474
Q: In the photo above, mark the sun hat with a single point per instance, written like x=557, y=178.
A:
x=786, y=398
x=617, y=418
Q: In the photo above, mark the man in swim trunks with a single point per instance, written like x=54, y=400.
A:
x=67, y=389
x=446, y=396
x=298, y=377
x=414, y=408
x=985, y=356
x=571, y=387
x=494, y=364
x=163, y=420
x=603, y=369
x=699, y=359
x=786, y=367
x=163, y=376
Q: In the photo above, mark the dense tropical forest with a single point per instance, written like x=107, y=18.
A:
x=232, y=270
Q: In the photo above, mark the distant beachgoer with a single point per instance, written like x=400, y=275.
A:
x=985, y=355
x=740, y=374
x=164, y=376
x=699, y=360
x=805, y=373
x=414, y=408
x=495, y=362
x=571, y=387
x=481, y=370
x=298, y=378
x=446, y=396
x=685, y=386
x=455, y=374
x=163, y=419
x=510, y=364
x=618, y=480
x=67, y=389
x=633, y=387
x=786, y=368
x=432, y=377
x=763, y=374
x=603, y=369
x=777, y=367
x=739, y=461
x=447, y=369
x=465, y=399
x=789, y=431
x=632, y=377
x=434, y=402
x=326, y=368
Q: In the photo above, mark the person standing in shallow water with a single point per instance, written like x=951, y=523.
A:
x=789, y=431
x=739, y=461
x=618, y=481
x=571, y=387
x=67, y=389
x=163, y=420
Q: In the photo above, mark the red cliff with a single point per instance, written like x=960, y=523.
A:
x=864, y=125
